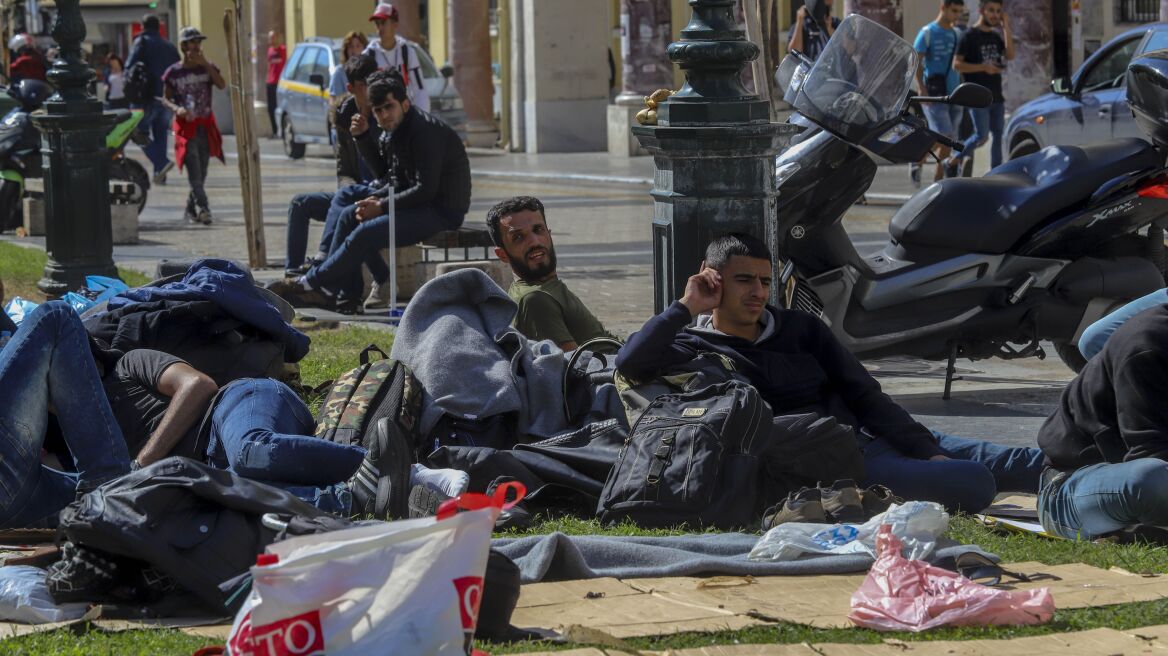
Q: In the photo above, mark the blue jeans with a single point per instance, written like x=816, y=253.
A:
x=261, y=430
x=340, y=271
x=48, y=364
x=1104, y=498
x=986, y=122
x=302, y=209
x=1097, y=334
x=943, y=119
x=156, y=121
x=969, y=481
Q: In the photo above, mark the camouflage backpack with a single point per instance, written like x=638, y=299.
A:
x=382, y=388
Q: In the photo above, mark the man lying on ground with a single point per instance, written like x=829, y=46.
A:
x=1107, y=442
x=431, y=191
x=797, y=365
x=547, y=308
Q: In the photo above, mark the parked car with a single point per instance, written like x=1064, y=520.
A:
x=1091, y=105
x=302, y=98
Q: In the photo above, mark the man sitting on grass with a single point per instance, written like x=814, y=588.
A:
x=798, y=366
x=547, y=308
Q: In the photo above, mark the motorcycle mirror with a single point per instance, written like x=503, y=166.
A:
x=970, y=95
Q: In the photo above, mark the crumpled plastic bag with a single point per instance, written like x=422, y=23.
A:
x=78, y=302
x=107, y=288
x=917, y=523
x=18, y=308
x=24, y=597
x=910, y=595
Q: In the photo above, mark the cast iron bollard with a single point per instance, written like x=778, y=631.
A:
x=73, y=128
x=713, y=151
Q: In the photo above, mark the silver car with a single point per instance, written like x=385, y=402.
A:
x=1090, y=106
x=302, y=97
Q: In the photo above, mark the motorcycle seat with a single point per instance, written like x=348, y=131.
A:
x=990, y=214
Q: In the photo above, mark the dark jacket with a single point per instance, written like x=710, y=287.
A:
x=800, y=367
x=158, y=53
x=429, y=164
x=348, y=156
x=1115, y=410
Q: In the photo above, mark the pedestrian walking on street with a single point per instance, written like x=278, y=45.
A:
x=115, y=83
x=393, y=51
x=277, y=56
x=982, y=57
x=187, y=88
x=157, y=54
x=937, y=44
x=813, y=26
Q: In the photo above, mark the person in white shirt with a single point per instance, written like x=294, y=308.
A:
x=401, y=54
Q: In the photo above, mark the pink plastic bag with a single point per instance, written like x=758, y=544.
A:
x=910, y=595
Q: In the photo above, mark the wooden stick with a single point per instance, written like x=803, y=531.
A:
x=762, y=85
x=246, y=144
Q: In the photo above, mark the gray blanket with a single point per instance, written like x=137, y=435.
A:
x=559, y=557
x=456, y=336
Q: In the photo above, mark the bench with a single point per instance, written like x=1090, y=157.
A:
x=464, y=237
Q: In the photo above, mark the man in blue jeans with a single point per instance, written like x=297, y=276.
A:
x=158, y=54
x=798, y=366
x=1098, y=333
x=937, y=43
x=1106, y=444
x=981, y=57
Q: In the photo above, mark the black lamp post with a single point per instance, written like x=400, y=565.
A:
x=713, y=149
x=73, y=127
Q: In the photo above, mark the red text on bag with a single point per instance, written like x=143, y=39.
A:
x=294, y=636
x=470, y=595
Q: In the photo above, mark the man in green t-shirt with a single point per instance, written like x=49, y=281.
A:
x=547, y=308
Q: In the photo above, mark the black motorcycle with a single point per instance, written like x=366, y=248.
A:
x=1038, y=249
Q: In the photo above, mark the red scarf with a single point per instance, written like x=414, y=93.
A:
x=185, y=130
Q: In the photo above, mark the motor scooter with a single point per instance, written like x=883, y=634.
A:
x=1036, y=250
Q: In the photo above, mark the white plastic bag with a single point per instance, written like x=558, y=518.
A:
x=411, y=586
x=24, y=597
x=918, y=524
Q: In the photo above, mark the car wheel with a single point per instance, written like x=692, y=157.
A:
x=1023, y=148
x=292, y=149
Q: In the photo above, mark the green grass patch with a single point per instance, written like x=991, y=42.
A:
x=80, y=641
x=22, y=267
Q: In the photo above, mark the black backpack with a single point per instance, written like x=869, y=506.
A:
x=692, y=456
x=139, y=84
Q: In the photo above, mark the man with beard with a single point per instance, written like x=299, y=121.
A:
x=547, y=308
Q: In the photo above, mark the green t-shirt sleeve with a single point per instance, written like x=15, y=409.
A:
x=540, y=316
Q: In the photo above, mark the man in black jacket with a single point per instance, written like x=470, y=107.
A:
x=1106, y=445
x=430, y=183
x=798, y=366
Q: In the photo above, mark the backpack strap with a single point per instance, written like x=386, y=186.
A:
x=572, y=362
x=372, y=348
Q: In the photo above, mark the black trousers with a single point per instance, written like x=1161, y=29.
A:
x=272, y=108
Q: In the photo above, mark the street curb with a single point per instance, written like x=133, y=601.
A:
x=563, y=177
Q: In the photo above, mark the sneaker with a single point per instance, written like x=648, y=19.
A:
x=804, y=506
x=424, y=501
x=204, y=216
x=190, y=216
x=160, y=177
x=303, y=269
x=378, y=296
x=381, y=486
x=877, y=499
x=842, y=502
x=293, y=292
x=914, y=174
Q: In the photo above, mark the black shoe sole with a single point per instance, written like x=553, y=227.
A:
x=381, y=486
x=424, y=501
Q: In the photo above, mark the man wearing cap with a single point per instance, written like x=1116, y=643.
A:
x=187, y=92
x=399, y=54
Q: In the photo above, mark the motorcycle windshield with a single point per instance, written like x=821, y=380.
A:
x=860, y=81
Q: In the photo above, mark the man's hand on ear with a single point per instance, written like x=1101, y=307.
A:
x=703, y=291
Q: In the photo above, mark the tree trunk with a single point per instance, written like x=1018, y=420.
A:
x=1028, y=75
x=886, y=12
x=646, y=30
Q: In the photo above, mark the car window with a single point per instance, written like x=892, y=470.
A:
x=1157, y=40
x=304, y=68
x=1107, y=73
x=290, y=69
x=321, y=63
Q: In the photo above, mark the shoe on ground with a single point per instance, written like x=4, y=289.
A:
x=160, y=177
x=516, y=517
x=424, y=501
x=190, y=215
x=298, y=296
x=877, y=499
x=303, y=269
x=378, y=296
x=381, y=486
x=804, y=506
x=204, y=216
x=842, y=502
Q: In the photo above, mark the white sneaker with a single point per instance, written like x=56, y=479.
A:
x=190, y=216
x=378, y=297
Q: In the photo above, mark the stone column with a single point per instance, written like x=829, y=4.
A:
x=1163, y=10
x=266, y=15
x=646, y=30
x=888, y=13
x=78, y=235
x=470, y=54
x=713, y=150
x=1028, y=75
x=409, y=19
